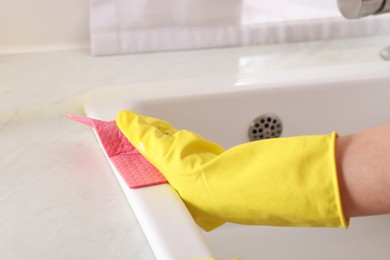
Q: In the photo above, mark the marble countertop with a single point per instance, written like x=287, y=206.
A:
x=58, y=196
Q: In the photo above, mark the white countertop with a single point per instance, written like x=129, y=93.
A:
x=58, y=196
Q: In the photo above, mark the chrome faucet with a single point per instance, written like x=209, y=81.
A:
x=353, y=9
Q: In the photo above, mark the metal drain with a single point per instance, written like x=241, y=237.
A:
x=264, y=127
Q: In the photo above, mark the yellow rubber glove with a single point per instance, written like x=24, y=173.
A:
x=278, y=182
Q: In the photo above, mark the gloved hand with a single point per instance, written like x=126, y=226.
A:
x=278, y=182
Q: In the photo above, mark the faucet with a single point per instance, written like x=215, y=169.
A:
x=353, y=9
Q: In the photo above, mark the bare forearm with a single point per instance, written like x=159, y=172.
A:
x=363, y=162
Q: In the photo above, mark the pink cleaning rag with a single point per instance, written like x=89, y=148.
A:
x=131, y=165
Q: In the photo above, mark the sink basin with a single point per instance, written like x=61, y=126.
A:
x=317, y=100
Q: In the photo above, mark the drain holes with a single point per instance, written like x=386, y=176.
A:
x=264, y=127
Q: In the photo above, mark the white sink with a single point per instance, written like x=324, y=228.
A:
x=344, y=98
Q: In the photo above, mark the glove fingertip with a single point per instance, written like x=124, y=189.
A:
x=125, y=119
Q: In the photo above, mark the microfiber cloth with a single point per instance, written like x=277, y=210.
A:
x=136, y=171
